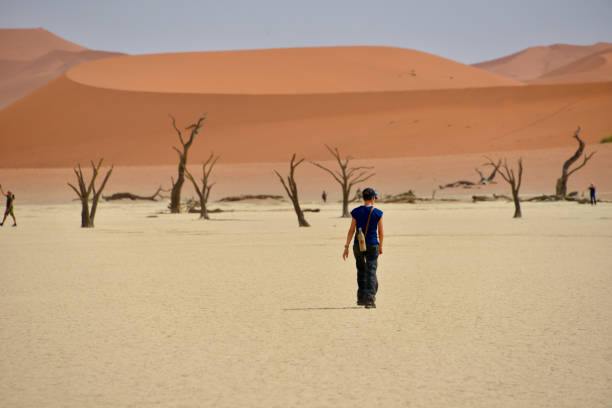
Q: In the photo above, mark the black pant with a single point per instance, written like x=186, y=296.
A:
x=593, y=199
x=366, y=263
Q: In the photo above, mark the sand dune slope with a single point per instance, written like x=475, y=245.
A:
x=77, y=123
x=27, y=44
x=19, y=78
x=537, y=62
x=284, y=71
x=596, y=67
x=31, y=58
x=265, y=105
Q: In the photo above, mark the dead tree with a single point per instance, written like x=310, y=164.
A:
x=204, y=190
x=561, y=186
x=175, y=195
x=347, y=176
x=87, y=215
x=515, y=183
x=485, y=180
x=291, y=189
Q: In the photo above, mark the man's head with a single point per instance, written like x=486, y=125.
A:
x=369, y=193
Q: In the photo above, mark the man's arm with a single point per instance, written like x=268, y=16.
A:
x=349, y=237
x=381, y=236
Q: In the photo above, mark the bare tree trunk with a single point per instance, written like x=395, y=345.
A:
x=561, y=185
x=291, y=188
x=345, y=202
x=299, y=213
x=514, y=181
x=203, y=210
x=85, y=220
x=347, y=177
x=83, y=192
x=204, y=191
x=175, y=195
x=517, y=203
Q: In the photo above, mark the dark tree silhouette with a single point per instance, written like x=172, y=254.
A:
x=485, y=180
x=515, y=182
x=84, y=192
x=291, y=189
x=203, y=191
x=175, y=195
x=561, y=186
x=347, y=176
x=131, y=196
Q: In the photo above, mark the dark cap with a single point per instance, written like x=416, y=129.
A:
x=369, y=193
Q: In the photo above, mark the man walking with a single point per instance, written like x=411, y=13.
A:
x=592, y=194
x=10, y=198
x=367, y=220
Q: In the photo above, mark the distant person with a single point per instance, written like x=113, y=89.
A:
x=358, y=194
x=369, y=220
x=592, y=194
x=10, y=198
x=324, y=196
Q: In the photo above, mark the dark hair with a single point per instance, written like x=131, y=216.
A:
x=369, y=193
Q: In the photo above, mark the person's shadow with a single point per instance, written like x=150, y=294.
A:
x=296, y=309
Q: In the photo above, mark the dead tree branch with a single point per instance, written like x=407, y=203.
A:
x=175, y=196
x=347, y=177
x=561, y=186
x=203, y=190
x=84, y=192
x=290, y=187
x=485, y=180
x=514, y=180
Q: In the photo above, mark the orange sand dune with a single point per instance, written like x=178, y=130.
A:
x=31, y=58
x=535, y=62
x=596, y=67
x=284, y=71
x=65, y=122
x=24, y=44
x=19, y=78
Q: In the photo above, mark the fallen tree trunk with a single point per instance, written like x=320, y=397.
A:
x=197, y=210
x=543, y=197
x=494, y=197
x=251, y=197
x=123, y=196
x=410, y=198
x=460, y=183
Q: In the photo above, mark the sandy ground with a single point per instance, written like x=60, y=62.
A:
x=475, y=309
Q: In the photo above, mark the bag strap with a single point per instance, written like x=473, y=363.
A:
x=368, y=224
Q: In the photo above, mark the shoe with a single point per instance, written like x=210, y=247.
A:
x=361, y=302
x=370, y=305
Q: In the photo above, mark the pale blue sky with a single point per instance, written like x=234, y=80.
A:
x=467, y=31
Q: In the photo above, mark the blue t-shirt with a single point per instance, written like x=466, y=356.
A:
x=361, y=215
